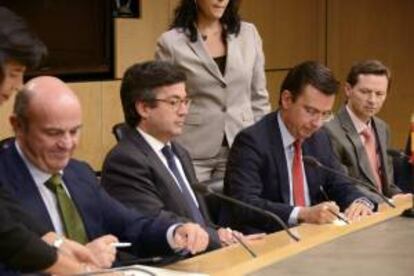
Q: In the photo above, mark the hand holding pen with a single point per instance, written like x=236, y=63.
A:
x=337, y=214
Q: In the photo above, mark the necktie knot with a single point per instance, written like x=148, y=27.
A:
x=367, y=133
x=167, y=151
x=297, y=145
x=54, y=182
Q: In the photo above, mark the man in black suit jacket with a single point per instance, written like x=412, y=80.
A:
x=265, y=166
x=136, y=171
x=47, y=120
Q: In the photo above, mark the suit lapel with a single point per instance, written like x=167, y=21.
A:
x=280, y=159
x=206, y=60
x=381, y=136
x=26, y=190
x=359, y=149
x=233, y=57
x=160, y=170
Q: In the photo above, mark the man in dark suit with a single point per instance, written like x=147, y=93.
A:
x=25, y=245
x=63, y=193
x=356, y=127
x=265, y=167
x=146, y=170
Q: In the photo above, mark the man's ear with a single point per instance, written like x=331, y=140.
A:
x=347, y=89
x=286, y=99
x=16, y=124
x=142, y=109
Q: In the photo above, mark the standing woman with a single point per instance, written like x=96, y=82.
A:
x=224, y=63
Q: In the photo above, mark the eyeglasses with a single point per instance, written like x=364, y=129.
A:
x=175, y=103
x=320, y=115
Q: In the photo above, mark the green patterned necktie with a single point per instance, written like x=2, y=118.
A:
x=74, y=228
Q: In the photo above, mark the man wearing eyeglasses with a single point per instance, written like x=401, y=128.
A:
x=360, y=139
x=146, y=170
x=265, y=166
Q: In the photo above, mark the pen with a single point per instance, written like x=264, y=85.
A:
x=338, y=215
x=121, y=244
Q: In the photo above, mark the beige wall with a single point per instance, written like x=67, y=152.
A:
x=334, y=32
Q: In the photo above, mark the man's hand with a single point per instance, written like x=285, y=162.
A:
x=103, y=250
x=191, y=237
x=357, y=210
x=73, y=250
x=227, y=236
x=319, y=214
x=402, y=196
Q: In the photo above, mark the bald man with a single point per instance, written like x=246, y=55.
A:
x=63, y=193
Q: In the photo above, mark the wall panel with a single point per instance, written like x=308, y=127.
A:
x=380, y=29
x=135, y=39
x=292, y=30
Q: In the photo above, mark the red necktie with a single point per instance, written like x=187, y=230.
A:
x=370, y=148
x=297, y=174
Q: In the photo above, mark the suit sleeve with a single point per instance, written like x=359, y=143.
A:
x=259, y=93
x=22, y=249
x=243, y=180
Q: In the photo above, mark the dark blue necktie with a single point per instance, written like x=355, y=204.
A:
x=195, y=212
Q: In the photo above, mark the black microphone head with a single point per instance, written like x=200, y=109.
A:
x=311, y=161
x=397, y=154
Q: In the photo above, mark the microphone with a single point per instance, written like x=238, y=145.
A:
x=205, y=189
x=315, y=163
x=397, y=154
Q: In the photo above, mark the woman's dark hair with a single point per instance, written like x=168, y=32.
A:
x=17, y=42
x=186, y=17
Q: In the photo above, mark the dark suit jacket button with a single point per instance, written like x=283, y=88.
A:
x=223, y=85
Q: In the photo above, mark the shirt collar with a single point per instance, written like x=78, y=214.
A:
x=156, y=144
x=359, y=125
x=287, y=138
x=39, y=176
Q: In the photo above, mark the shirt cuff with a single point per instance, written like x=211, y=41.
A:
x=170, y=236
x=366, y=202
x=293, y=217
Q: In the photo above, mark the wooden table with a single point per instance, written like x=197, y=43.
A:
x=234, y=260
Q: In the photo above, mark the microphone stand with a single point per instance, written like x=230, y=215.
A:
x=314, y=162
x=207, y=190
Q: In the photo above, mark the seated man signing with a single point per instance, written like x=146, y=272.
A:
x=266, y=167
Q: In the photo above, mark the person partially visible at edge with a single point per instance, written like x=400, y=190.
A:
x=223, y=60
x=25, y=245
